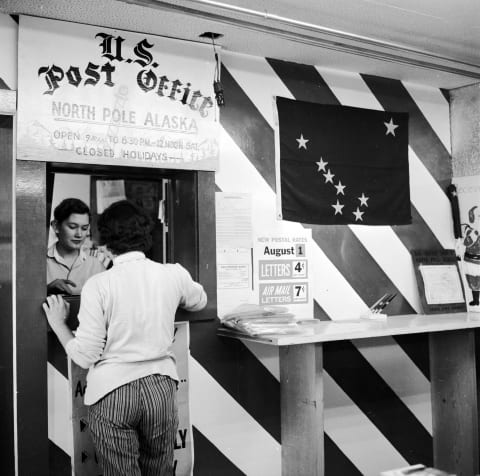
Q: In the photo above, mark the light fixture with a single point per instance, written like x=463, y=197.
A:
x=310, y=34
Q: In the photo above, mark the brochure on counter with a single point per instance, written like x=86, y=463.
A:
x=256, y=320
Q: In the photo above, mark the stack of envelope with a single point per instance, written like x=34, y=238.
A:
x=256, y=320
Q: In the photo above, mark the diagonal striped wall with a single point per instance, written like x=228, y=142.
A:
x=377, y=393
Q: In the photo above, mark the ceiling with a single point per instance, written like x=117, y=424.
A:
x=434, y=42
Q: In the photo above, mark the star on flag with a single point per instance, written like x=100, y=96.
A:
x=340, y=188
x=363, y=200
x=390, y=127
x=302, y=142
x=338, y=207
x=358, y=214
x=321, y=165
x=329, y=177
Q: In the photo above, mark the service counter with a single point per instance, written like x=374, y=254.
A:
x=453, y=386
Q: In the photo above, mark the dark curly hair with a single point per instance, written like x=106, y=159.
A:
x=68, y=206
x=124, y=226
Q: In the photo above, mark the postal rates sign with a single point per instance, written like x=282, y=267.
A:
x=94, y=95
x=282, y=275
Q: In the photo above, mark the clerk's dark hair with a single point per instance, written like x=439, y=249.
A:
x=124, y=226
x=68, y=206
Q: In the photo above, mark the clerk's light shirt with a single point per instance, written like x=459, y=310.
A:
x=126, y=322
x=83, y=267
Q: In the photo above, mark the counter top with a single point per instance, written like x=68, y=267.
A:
x=327, y=331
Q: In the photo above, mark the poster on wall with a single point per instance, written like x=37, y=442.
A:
x=468, y=246
x=439, y=281
x=282, y=275
x=85, y=460
x=259, y=267
x=96, y=95
x=233, y=214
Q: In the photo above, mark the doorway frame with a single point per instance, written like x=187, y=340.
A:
x=8, y=441
x=194, y=237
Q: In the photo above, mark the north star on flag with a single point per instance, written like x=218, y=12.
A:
x=341, y=165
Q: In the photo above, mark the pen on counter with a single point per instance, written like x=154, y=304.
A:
x=374, y=306
x=385, y=303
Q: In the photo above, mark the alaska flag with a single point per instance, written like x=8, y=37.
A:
x=342, y=165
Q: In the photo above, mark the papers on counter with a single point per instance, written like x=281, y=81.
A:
x=255, y=320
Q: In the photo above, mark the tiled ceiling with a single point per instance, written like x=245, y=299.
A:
x=436, y=42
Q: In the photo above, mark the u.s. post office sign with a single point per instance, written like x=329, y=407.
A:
x=94, y=95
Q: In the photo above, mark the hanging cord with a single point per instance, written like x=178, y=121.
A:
x=217, y=85
x=216, y=76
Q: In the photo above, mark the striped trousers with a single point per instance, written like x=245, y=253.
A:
x=134, y=427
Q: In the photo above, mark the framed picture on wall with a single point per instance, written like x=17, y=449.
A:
x=439, y=281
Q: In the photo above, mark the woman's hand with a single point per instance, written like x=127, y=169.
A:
x=56, y=309
x=60, y=286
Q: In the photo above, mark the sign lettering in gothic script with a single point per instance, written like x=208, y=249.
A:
x=93, y=95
